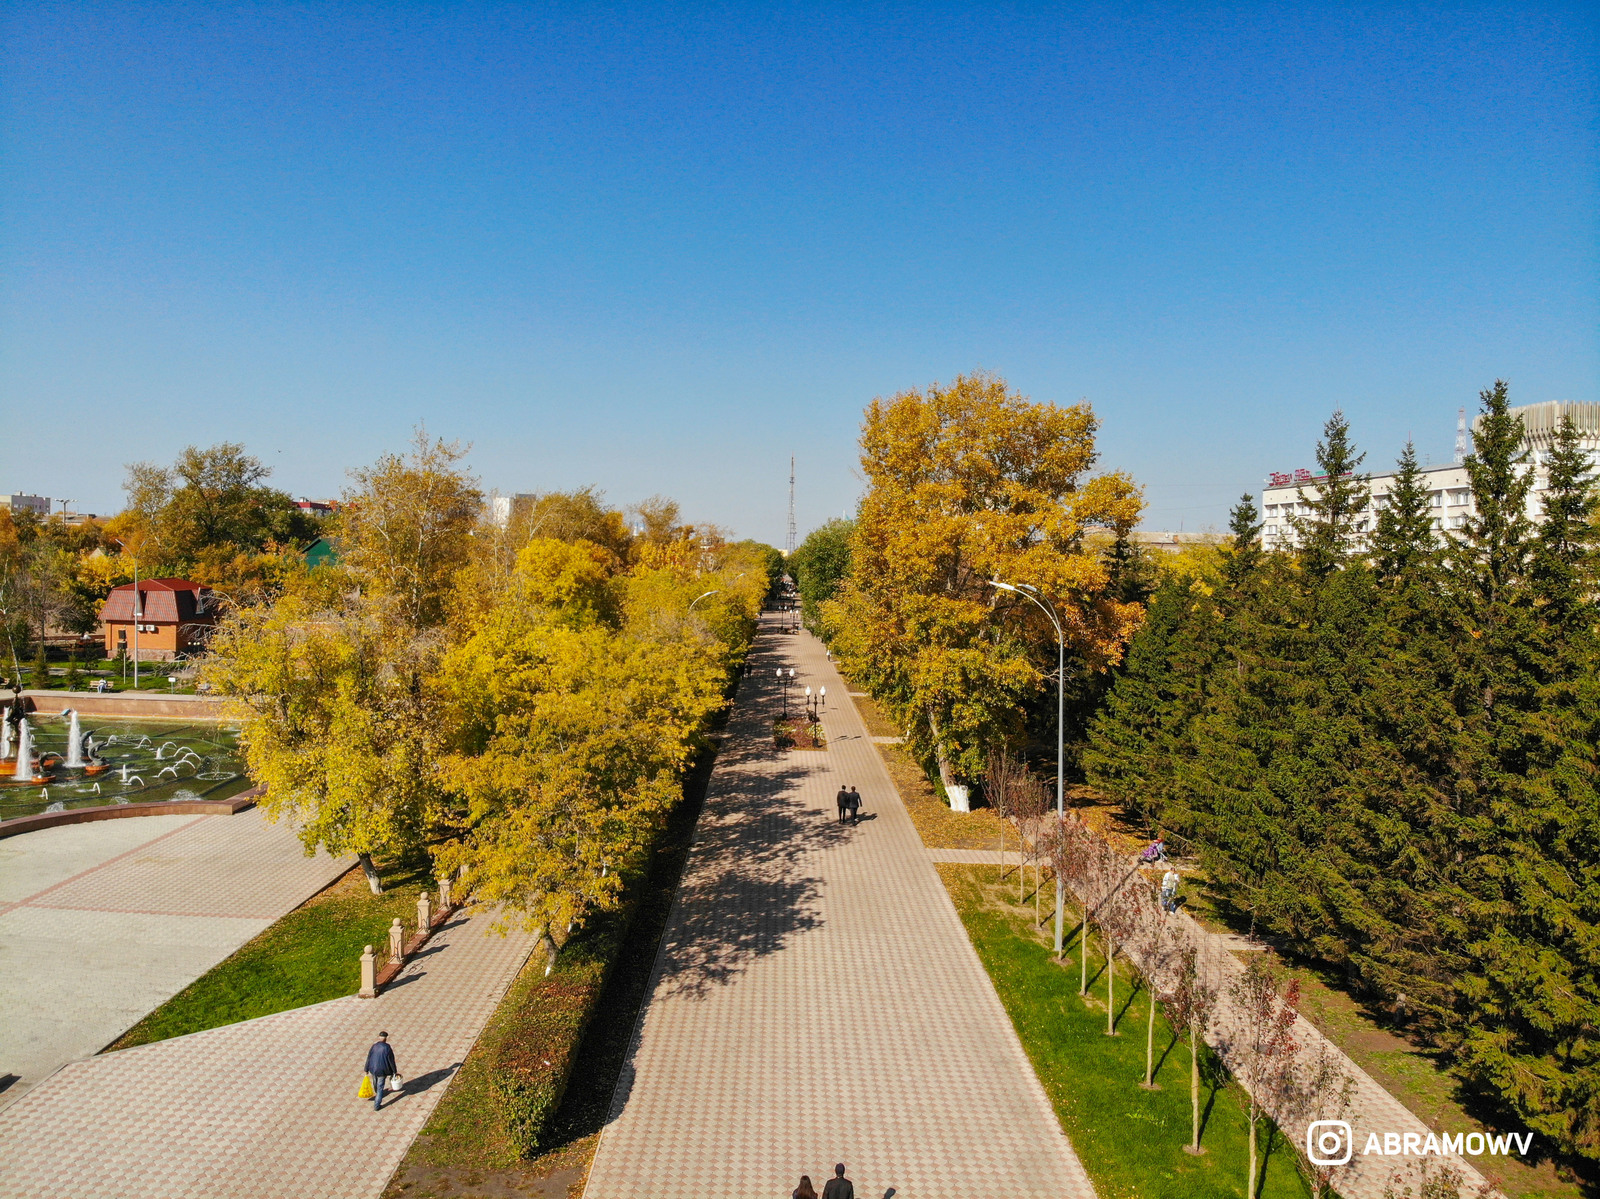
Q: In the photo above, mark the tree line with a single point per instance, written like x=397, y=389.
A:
x=1384, y=746
x=513, y=696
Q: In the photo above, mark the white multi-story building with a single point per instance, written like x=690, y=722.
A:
x=1449, y=488
x=38, y=504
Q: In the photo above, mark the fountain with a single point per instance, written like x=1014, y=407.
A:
x=5, y=738
x=195, y=762
x=23, y=771
x=74, y=743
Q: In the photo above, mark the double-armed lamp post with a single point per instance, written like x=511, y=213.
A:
x=785, y=677
x=1029, y=592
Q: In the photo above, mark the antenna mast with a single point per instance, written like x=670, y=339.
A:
x=1461, y=436
x=788, y=545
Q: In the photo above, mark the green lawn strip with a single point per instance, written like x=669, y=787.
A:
x=1130, y=1140
x=310, y=955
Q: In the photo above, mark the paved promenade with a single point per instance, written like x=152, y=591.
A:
x=266, y=1109
x=816, y=999
x=101, y=922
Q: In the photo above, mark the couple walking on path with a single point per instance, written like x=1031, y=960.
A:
x=839, y=1187
x=849, y=800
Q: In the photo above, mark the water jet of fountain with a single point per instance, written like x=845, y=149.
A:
x=5, y=738
x=124, y=774
x=24, y=751
x=74, y=743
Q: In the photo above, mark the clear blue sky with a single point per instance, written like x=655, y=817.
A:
x=659, y=249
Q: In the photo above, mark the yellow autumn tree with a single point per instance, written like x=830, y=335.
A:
x=335, y=680
x=578, y=699
x=969, y=483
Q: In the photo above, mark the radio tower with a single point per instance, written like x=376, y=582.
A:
x=788, y=545
x=1461, y=436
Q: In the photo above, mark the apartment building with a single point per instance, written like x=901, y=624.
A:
x=1449, y=488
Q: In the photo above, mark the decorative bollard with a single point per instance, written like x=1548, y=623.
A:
x=444, y=892
x=422, y=914
x=369, y=975
x=397, y=941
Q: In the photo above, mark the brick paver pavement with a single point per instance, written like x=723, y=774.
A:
x=102, y=922
x=816, y=999
x=265, y=1109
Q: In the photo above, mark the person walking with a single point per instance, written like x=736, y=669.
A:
x=804, y=1190
x=1169, y=892
x=380, y=1068
x=843, y=800
x=839, y=1187
x=854, y=804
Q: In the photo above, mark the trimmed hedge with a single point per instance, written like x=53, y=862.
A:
x=529, y=1069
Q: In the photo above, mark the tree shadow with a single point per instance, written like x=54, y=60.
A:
x=1214, y=1076
x=1128, y=1003
x=748, y=891
x=1161, y=1061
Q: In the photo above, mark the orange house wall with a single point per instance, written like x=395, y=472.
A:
x=164, y=640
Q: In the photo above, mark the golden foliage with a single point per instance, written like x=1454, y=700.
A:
x=969, y=483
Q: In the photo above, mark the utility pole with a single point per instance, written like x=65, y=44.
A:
x=788, y=545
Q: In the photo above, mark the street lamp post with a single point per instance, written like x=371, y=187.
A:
x=1032, y=593
x=698, y=598
x=138, y=617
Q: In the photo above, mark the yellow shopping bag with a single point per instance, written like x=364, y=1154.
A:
x=366, y=1091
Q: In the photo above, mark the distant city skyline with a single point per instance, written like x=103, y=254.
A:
x=659, y=250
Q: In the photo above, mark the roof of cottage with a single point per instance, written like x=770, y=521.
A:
x=162, y=601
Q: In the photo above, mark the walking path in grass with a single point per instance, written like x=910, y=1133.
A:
x=816, y=999
x=1372, y=1109
x=102, y=922
x=266, y=1108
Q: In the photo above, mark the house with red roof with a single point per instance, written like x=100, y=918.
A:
x=164, y=618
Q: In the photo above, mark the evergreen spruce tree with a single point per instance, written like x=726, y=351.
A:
x=1403, y=543
x=1141, y=726
x=1243, y=552
x=1532, y=1007
x=1328, y=533
x=1564, y=554
x=1399, y=921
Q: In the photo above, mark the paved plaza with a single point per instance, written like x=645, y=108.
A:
x=816, y=999
x=265, y=1109
x=102, y=922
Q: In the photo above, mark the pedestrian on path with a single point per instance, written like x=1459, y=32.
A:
x=804, y=1190
x=854, y=804
x=843, y=800
x=1169, y=891
x=380, y=1068
x=839, y=1187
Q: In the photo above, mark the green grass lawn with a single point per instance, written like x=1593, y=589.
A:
x=1130, y=1140
x=311, y=955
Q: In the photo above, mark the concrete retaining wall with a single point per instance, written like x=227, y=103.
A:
x=128, y=704
x=122, y=811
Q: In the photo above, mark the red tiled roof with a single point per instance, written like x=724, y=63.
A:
x=163, y=601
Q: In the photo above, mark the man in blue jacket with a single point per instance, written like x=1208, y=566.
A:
x=380, y=1066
